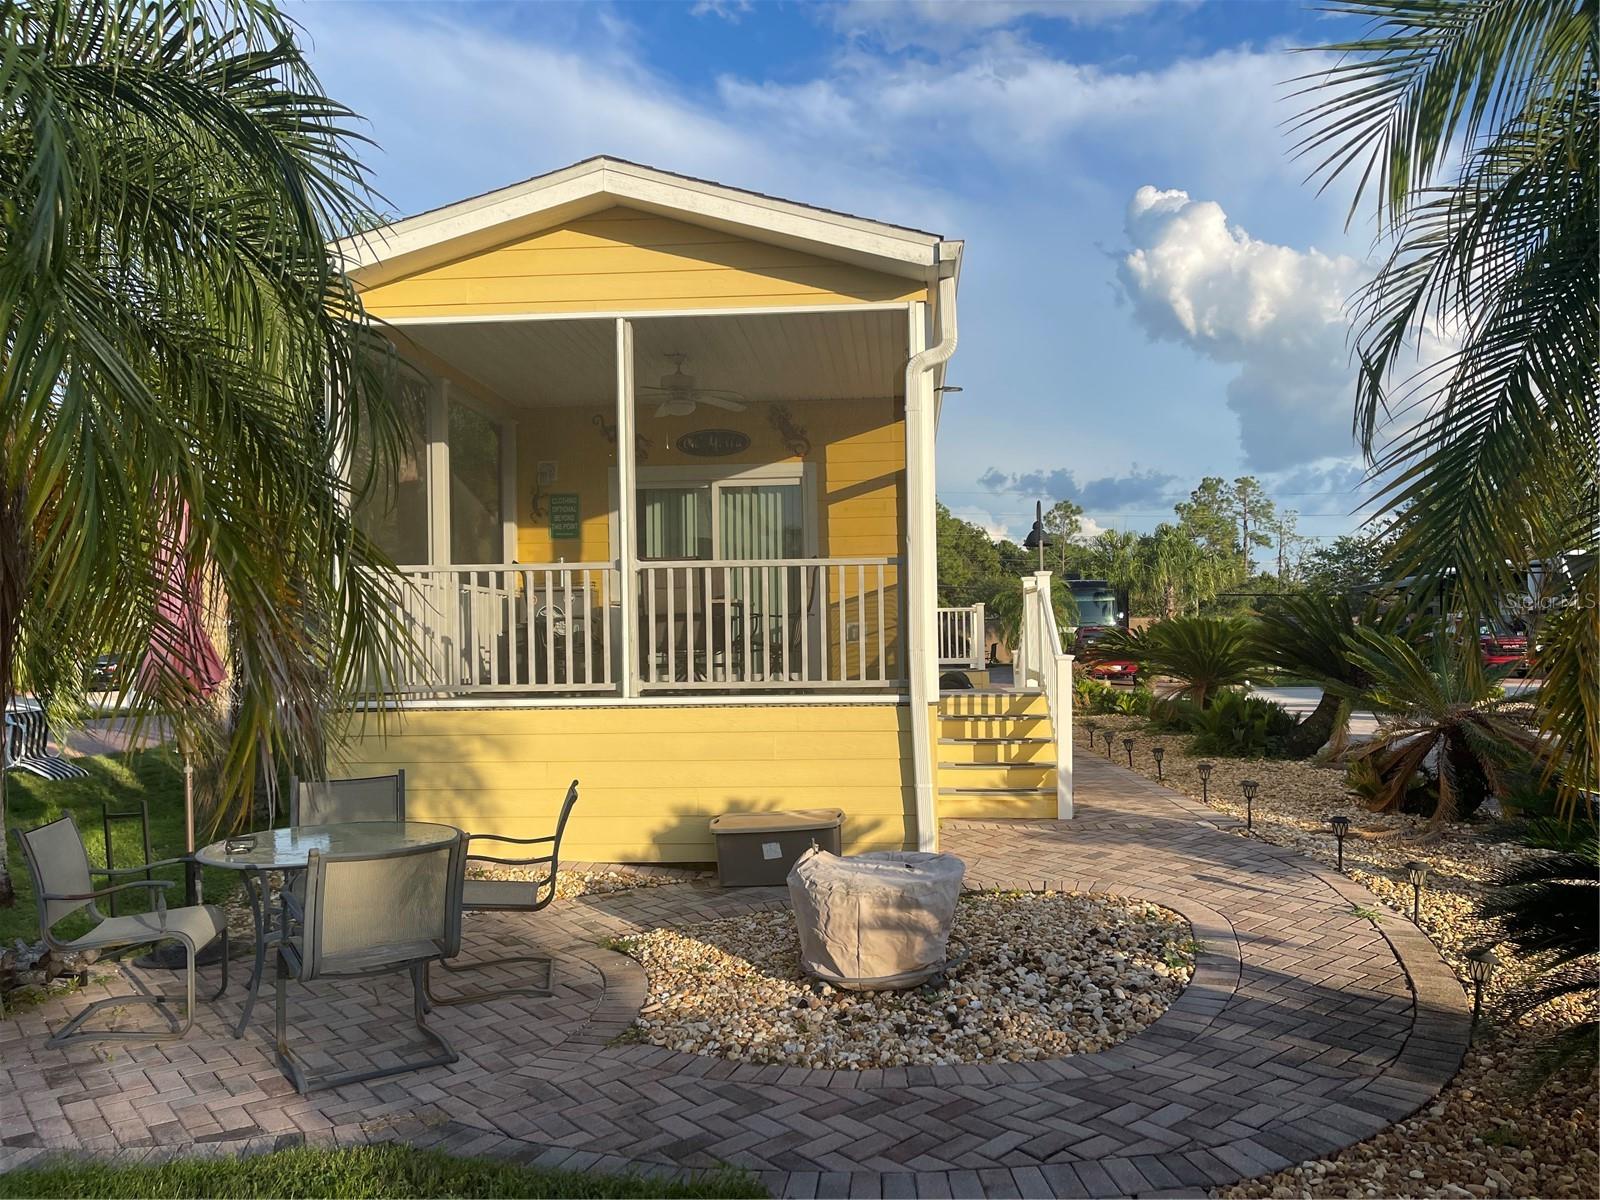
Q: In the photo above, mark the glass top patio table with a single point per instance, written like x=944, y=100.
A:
x=288, y=849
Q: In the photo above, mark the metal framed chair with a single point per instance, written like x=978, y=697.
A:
x=369, y=915
x=333, y=801
x=510, y=895
x=62, y=886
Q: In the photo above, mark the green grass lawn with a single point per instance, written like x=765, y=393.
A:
x=369, y=1171
x=120, y=781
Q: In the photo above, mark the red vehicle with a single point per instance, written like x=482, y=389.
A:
x=1503, y=645
x=1101, y=608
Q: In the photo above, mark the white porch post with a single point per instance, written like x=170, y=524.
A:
x=508, y=491
x=627, y=476
x=438, y=423
x=920, y=582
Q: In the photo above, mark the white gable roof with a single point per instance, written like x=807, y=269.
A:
x=496, y=217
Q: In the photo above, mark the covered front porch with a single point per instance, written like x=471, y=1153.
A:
x=753, y=542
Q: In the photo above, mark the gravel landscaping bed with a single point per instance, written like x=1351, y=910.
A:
x=1041, y=975
x=1486, y=1135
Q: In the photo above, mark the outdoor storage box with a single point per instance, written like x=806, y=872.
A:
x=757, y=849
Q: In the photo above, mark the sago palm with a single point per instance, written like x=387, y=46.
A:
x=1304, y=634
x=1433, y=706
x=1549, y=910
x=1490, y=454
x=1204, y=654
x=183, y=368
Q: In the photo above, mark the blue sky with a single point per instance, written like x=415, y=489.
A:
x=1151, y=290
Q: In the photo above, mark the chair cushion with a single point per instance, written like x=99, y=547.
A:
x=499, y=894
x=199, y=924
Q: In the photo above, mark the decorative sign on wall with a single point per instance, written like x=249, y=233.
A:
x=713, y=443
x=565, y=518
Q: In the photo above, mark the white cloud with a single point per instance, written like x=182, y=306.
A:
x=900, y=23
x=1276, y=312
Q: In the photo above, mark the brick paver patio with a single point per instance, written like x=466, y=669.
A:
x=1306, y=1028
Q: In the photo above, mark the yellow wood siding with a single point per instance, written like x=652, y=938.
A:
x=650, y=778
x=623, y=260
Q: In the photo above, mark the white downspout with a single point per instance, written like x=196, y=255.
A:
x=923, y=663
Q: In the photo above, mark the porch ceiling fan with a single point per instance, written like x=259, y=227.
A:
x=678, y=394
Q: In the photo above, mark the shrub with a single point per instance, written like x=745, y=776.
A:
x=1088, y=693
x=1131, y=702
x=1240, y=726
x=1175, y=715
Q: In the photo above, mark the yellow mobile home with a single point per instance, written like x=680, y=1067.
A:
x=667, y=525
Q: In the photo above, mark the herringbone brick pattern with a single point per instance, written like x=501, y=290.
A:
x=1305, y=1028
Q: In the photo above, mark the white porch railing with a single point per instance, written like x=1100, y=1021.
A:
x=499, y=628
x=766, y=624
x=960, y=636
x=769, y=623
x=1040, y=663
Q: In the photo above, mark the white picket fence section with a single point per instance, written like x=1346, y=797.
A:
x=960, y=636
x=1039, y=662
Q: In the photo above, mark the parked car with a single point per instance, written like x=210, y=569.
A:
x=1504, y=645
x=1110, y=670
x=105, y=673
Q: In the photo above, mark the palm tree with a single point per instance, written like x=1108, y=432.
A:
x=1546, y=907
x=1439, y=708
x=1304, y=634
x=1205, y=654
x=1490, y=455
x=185, y=368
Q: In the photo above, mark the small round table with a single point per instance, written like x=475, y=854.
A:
x=290, y=849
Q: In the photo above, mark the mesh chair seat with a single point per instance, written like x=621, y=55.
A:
x=512, y=895
x=199, y=924
x=366, y=915
x=501, y=895
x=63, y=885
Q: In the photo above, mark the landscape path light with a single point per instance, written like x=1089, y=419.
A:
x=1249, y=787
x=1158, y=752
x=1110, y=736
x=1127, y=744
x=1341, y=830
x=1416, y=874
x=1205, y=770
x=1480, y=965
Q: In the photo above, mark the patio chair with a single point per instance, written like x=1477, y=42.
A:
x=510, y=895
x=62, y=886
x=334, y=801
x=364, y=916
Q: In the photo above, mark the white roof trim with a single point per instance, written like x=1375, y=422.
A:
x=523, y=208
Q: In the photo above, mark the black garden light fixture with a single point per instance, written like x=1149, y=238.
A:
x=1110, y=736
x=1249, y=787
x=1127, y=744
x=1158, y=752
x=1416, y=874
x=1205, y=770
x=1037, y=538
x=1341, y=830
x=1480, y=965
x=1093, y=727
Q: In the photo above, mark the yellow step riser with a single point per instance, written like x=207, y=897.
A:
x=994, y=727
x=997, y=752
x=980, y=807
x=994, y=705
x=997, y=777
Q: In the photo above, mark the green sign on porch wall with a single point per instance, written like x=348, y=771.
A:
x=564, y=516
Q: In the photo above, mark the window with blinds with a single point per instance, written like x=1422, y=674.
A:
x=738, y=522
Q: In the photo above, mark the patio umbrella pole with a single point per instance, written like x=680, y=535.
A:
x=169, y=956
